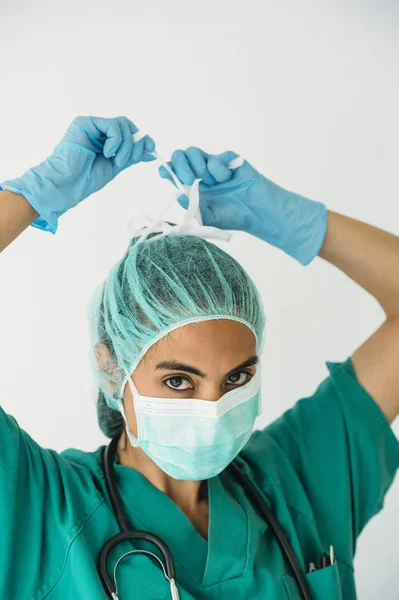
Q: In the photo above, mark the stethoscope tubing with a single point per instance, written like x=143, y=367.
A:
x=127, y=533
x=267, y=514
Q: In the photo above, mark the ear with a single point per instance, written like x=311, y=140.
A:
x=107, y=367
x=102, y=355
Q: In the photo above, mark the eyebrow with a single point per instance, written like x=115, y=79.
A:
x=174, y=365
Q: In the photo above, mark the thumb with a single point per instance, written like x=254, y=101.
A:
x=164, y=173
x=218, y=166
x=183, y=201
x=212, y=214
x=208, y=215
x=230, y=215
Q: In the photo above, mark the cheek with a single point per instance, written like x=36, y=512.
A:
x=129, y=409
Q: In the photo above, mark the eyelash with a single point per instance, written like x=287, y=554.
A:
x=183, y=377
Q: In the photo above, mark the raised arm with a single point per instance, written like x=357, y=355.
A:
x=38, y=487
x=16, y=214
x=246, y=200
x=92, y=152
x=370, y=257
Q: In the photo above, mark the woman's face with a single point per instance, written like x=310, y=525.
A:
x=200, y=360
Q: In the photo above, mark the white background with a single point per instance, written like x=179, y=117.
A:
x=308, y=91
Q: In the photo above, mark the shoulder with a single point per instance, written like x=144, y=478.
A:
x=87, y=465
x=336, y=443
x=338, y=416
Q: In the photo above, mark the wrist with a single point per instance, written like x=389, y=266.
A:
x=308, y=232
x=16, y=214
x=291, y=222
x=35, y=186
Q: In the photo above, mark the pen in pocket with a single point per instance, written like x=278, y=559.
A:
x=324, y=561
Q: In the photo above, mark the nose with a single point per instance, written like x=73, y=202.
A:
x=211, y=392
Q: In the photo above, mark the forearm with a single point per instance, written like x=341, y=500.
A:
x=367, y=255
x=16, y=214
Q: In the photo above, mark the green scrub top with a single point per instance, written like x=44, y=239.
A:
x=324, y=468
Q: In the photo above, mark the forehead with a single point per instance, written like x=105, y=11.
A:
x=217, y=343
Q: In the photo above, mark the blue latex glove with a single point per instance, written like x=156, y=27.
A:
x=242, y=199
x=93, y=151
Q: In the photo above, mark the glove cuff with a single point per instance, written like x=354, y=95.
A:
x=308, y=236
x=293, y=223
x=35, y=188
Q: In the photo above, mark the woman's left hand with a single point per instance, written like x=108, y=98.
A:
x=243, y=199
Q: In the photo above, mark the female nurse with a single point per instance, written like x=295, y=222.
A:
x=177, y=330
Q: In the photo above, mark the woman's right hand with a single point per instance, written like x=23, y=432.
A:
x=92, y=152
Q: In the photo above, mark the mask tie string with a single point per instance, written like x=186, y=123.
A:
x=192, y=223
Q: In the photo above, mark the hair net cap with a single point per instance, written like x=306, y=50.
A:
x=159, y=285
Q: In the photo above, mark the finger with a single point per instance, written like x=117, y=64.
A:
x=149, y=144
x=138, y=149
x=132, y=126
x=124, y=152
x=149, y=147
x=226, y=157
x=112, y=131
x=148, y=157
x=217, y=166
x=208, y=216
x=164, y=173
x=182, y=168
x=82, y=131
x=183, y=201
x=197, y=160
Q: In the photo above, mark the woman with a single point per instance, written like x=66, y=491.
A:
x=177, y=326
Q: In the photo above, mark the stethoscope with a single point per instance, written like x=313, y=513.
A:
x=167, y=564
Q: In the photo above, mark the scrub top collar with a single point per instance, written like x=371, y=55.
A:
x=223, y=557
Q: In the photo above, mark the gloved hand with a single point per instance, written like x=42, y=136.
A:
x=93, y=151
x=242, y=199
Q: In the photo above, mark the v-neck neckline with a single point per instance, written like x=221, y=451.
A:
x=220, y=558
x=228, y=531
x=150, y=509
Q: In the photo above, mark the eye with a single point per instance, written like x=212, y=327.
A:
x=239, y=378
x=178, y=383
